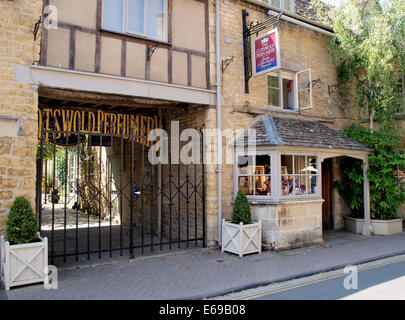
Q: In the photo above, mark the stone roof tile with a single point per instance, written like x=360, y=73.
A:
x=295, y=132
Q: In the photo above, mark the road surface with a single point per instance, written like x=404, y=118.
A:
x=378, y=280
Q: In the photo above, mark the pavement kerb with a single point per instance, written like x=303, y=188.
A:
x=288, y=278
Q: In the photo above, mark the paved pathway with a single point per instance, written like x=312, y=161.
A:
x=206, y=272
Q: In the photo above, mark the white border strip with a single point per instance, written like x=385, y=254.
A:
x=109, y=84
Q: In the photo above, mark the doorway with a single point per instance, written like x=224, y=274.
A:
x=327, y=184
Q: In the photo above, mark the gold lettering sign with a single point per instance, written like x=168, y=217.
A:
x=57, y=124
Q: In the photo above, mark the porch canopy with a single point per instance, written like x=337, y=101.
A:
x=292, y=136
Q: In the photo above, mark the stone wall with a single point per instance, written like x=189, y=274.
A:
x=18, y=103
x=301, y=49
x=290, y=225
x=340, y=208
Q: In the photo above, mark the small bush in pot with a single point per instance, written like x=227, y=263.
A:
x=241, y=235
x=24, y=255
x=22, y=225
x=241, y=209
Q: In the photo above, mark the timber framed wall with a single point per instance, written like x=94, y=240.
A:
x=80, y=43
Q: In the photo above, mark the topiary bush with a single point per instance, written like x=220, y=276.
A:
x=387, y=193
x=21, y=224
x=241, y=209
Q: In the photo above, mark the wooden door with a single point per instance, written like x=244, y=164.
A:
x=327, y=194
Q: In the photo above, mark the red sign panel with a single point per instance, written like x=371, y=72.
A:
x=266, y=53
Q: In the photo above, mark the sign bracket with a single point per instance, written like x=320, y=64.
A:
x=248, y=31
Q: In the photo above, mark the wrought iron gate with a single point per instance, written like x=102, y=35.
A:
x=97, y=194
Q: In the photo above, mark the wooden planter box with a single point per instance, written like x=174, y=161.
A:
x=380, y=227
x=23, y=263
x=241, y=239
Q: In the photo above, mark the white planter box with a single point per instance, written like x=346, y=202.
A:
x=242, y=239
x=354, y=225
x=380, y=227
x=23, y=263
x=387, y=227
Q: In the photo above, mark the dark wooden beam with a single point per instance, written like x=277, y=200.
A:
x=95, y=99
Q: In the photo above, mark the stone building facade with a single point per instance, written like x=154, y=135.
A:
x=301, y=48
x=91, y=62
x=18, y=102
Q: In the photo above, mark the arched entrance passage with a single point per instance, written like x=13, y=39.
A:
x=98, y=194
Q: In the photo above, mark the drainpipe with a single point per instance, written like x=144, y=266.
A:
x=219, y=117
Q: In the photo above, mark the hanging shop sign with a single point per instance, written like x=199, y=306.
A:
x=69, y=127
x=266, y=53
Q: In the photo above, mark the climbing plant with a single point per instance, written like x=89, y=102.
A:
x=387, y=192
x=368, y=51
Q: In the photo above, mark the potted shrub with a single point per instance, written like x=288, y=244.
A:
x=24, y=255
x=241, y=236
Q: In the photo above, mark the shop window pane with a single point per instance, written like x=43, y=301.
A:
x=286, y=164
x=300, y=185
x=273, y=91
x=156, y=19
x=287, y=186
x=263, y=164
x=245, y=165
x=312, y=180
x=274, y=97
x=300, y=165
x=276, y=3
x=288, y=5
x=263, y=185
x=246, y=184
x=113, y=15
x=273, y=82
x=311, y=165
x=136, y=11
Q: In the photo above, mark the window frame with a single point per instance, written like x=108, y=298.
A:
x=282, y=6
x=281, y=76
x=276, y=174
x=294, y=175
x=254, y=175
x=292, y=76
x=144, y=35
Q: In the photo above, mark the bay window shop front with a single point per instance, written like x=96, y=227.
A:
x=288, y=178
x=297, y=173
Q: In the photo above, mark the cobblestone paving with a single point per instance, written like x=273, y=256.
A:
x=207, y=272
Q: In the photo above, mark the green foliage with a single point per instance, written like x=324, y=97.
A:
x=368, y=49
x=21, y=224
x=241, y=209
x=387, y=193
x=61, y=170
x=47, y=150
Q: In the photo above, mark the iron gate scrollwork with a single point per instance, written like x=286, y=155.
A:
x=97, y=193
